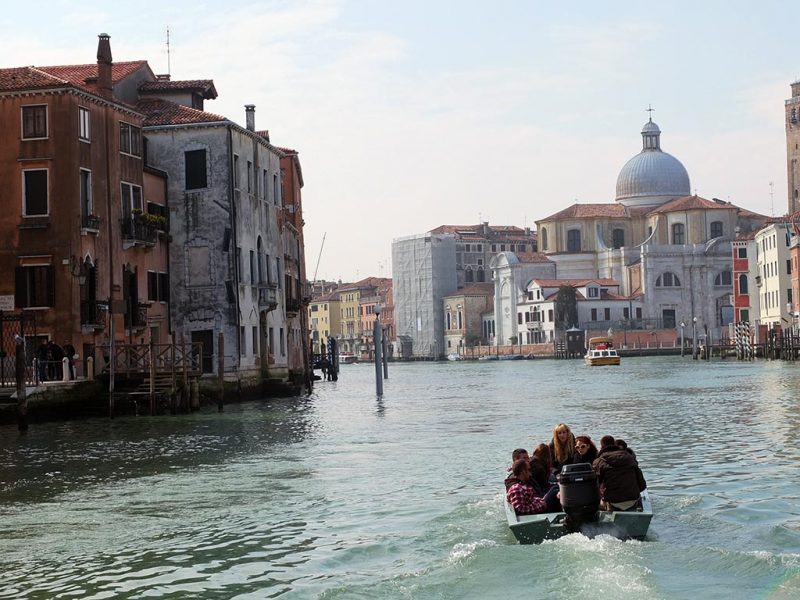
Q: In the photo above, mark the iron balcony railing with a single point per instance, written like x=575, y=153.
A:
x=90, y=313
x=135, y=229
x=90, y=222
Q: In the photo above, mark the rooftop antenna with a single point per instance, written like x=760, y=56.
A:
x=650, y=110
x=169, y=64
x=771, y=198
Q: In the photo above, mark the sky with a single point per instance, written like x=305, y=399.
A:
x=409, y=115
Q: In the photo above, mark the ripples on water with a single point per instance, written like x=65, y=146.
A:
x=341, y=495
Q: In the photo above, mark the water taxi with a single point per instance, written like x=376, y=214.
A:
x=534, y=529
x=347, y=358
x=601, y=352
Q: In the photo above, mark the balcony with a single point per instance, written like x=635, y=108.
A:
x=293, y=305
x=137, y=318
x=534, y=325
x=267, y=296
x=91, y=315
x=90, y=223
x=137, y=232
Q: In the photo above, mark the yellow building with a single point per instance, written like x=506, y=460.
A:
x=324, y=318
x=350, y=319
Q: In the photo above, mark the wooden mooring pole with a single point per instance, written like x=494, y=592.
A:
x=221, y=367
x=22, y=398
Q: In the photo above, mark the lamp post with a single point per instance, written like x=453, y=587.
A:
x=377, y=343
x=694, y=338
x=682, y=344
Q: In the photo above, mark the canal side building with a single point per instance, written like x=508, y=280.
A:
x=84, y=227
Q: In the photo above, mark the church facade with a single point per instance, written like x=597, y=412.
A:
x=661, y=243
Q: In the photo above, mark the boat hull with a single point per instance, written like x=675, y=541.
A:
x=534, y=529
x=602, y=361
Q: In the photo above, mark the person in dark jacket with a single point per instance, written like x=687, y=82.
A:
x=624, y=445
x=542, y=468
x=585, y=450
x=620, y=478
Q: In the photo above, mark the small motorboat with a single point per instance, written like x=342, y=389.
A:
x=601, y=352
x=580, y=499
x=347, y=358
x=454, y=357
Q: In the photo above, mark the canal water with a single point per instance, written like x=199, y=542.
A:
x=340, y=495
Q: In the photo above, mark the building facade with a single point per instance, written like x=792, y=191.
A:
x=463, y=323
x=792, y=119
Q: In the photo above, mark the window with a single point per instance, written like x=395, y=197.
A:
x=242, y=341
x=592, y=292
x=574, y=240
x=255, y=340
x=195, y=169
x=283, y=343
x=131, y=198
x=34, y=192
x=678, y=233
x=264, y=182
x=594, y=314
x=723, y=278
x=626, y=313
x=519, y=318
x=236, y=171
x=668, y=280
x=607, y=314
x=278, y=271
x=449, y=320
x=84, y=130
x=34, y=121
x=619, y=238
x=788, y=267
x=468, y=275
x=86, y=192
x=34, y=287
x=716, y=229
x=789, y=296
x=252, y=267
x=638, y=312
x=668, y=318
x=249, y=176
x=130, y=139
x=276, y=191
x=743, y=287
x=741, y=252
x=157, y=287
x=744, y=315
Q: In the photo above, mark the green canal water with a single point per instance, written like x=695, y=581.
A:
x=340, y=495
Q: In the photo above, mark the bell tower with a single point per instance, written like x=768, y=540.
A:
x=793, y=147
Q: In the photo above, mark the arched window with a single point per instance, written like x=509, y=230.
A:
x=668, y=280
x=481, y=275
x=449, y=321
x=619, y=238
x=544, y=238
x=468, y=275
x=743, y=284
x=574, y=240
x=678, y=233
x=716, y=229
x=723, y=279
x=260, y=254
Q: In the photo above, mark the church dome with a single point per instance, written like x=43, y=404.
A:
x=652, y=177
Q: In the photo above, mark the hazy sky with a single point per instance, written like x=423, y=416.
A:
x=408, y=115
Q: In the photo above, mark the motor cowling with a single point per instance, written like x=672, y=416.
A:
x=579, y=495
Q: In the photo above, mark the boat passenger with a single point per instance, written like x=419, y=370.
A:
x=562, y=447
x=585, y=450
x=518, y=454
x=620, y=478
x=624, y=445
x=542, y=468
x=523, y=497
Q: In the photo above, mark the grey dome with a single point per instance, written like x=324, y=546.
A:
x=652, y=177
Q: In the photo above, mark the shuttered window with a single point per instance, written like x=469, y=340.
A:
x=34, y=287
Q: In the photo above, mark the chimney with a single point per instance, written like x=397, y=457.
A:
x=250, y=116
x=104, y=86
x=485, y=228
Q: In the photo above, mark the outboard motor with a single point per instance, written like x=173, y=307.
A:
x=579, y=494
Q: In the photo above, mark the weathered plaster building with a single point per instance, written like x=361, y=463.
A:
x=463, y=325
x=792, y=116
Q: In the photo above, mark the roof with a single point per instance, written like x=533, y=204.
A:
x=28, y=78
x=330, y=297
x=364, y=283
x=163, y=112
x=79, y=74
x=691, y=203
x=476, y=231
x=532, y=257
x=476, y=289
x=589, y=211
x=206, y=86
x=545, y=283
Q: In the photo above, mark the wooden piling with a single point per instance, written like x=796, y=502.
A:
x=22, y=398
x=221, y=368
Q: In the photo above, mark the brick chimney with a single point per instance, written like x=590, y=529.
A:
x=250, y=116
x=104, y=85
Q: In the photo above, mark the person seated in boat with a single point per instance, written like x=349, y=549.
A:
x=542, y=468
x=562, y=447
x=619, y=476
x=624, y=445
x=518, y=454
x=585, y=450
x=523, y=497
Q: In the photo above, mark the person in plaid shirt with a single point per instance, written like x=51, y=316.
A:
x=521, y=495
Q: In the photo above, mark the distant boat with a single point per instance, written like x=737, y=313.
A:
x=488, y=357
x=347, y=358
x=601, y=352
x=454, y=357
x=511, y=357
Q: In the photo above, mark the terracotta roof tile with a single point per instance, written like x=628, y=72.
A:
x=201, y=85
x=28, y=78
x=573, y=282
x=163, y=112
x=78, y=74
x=690, y=203
x=588, y=211
x=532, y=257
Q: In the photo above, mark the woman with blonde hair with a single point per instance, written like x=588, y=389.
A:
x=562, y=448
